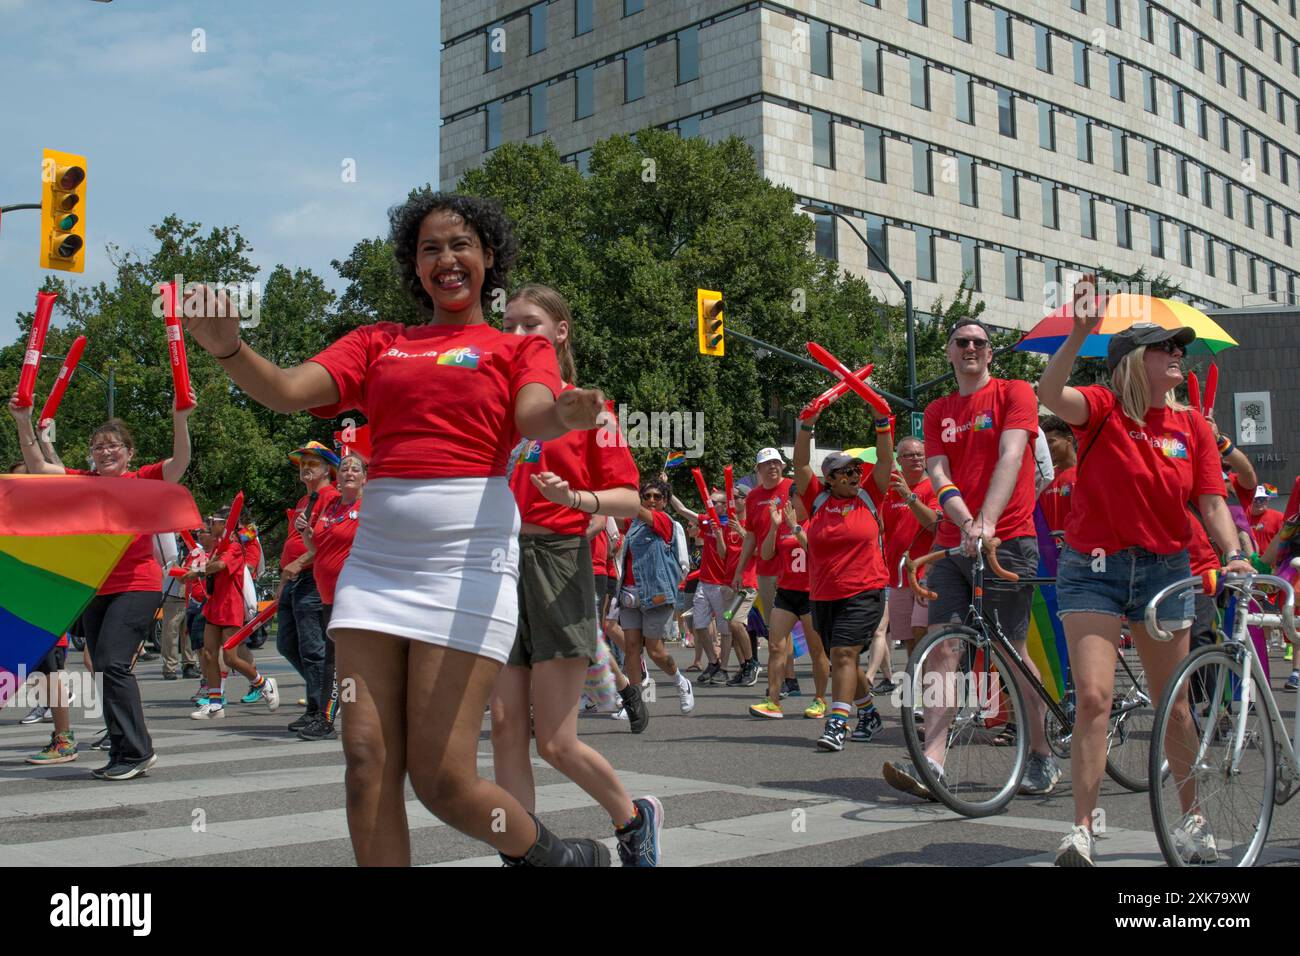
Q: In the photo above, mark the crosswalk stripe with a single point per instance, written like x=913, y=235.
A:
x=80, y=771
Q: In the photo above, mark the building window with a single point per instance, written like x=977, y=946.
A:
x=1002, y=33
x=877, y=243
x=1046, y=128
x=1010, y=193
x=1227, y=199
x=925, y=254
x=1268, y=219
x=916, y=11
x=1123, y=232
x=920, y=83
x=1120, y=153
x=1239, y=18
x=1202, y=120
x=1286, y=228
x=819, y=36
x=584, y=98
x=1250, y=208
x=495, y=38
x=689, y=128
x=632, y=6
x=1014, y=287
x=536, y=28
x=1145, y=27
x=1179, y=118
x=634, y=74
x=1113, y=14
x=1241, y=80
x=1051, y=214
x=537, y=109
x=1185, y=245
x=1232, y=266
x=1080, y=63
x=1198, y=53
x=1116, y=77
x=1149, y=92
x=1006, y=113
x=967, y=183
x=970, y=264
x=1042, y=48
x=825, y=243
x=1207, y=196
x=961, y=19
x=584, y=16
x=1259, y=32
x=873, y=142
x=1083, y=138
x=922, y=181
x=1175, y=38
x=1252, y=274
x=823, y=139
x=1157, y=235
x=1209, y=256
x=1079, y=6
x=688, y=55
x=1087, y=216
x=1221, y=68
x=1153, y=163
x=1245, y=143
x=872, y=77
x=1223, y=133
x=965, y=94
x=583, y=161
x=492, y=116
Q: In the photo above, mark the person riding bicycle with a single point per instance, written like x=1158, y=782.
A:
x=1142, y=457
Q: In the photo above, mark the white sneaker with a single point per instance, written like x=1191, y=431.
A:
x=271, y=694
x=1194, y=841
x=1076, y=848
x=648, y=682
x=37, y=714
x=620, y=714
x=209, y=712
x=685, y=694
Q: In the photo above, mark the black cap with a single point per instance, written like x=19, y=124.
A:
x=1143, y=333
x=835, y=461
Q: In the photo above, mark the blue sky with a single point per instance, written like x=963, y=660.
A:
x=253, y=132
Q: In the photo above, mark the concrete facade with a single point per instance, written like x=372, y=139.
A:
x=756, y=80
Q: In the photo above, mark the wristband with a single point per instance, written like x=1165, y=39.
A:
x=1287, y=531
x=946, y=493
x=885, y=424
x=1226, y=447
x=222, y=358
x=1237, y=555
x=806, y=428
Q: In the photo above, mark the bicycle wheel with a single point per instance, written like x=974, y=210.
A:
x=959, y=672
x=1128, y=736
x=1228, y=783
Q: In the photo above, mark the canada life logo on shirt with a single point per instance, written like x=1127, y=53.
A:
x=1172, y=445
x=983, y=422
x=532, y=453
x=466, y=357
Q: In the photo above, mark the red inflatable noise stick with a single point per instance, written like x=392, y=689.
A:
x=836, y=368
x=704, y=496
x=61, y=383
x=241, y=635
x=833, y=394
x=176, y=347
x=1194, y=391
x=232, y=522
x=35, y=345
x=1211, y=388
x=731, y=495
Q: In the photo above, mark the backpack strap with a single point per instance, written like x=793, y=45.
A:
x=825, y=496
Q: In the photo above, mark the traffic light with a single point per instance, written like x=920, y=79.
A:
x=708, y=310
x=63, y=211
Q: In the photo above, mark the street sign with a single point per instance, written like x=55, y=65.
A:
x=918, y=424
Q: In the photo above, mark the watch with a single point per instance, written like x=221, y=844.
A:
x=911, y=499
x=796, y=529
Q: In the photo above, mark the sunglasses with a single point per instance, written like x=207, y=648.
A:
x=652, y=496
x=965, y=343
x=846, y=472
x=1170, y=346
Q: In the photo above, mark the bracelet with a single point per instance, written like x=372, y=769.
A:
x=222, y=358
x=1226, y=447
x=596, y=510
x=946, y=493
x=807, y=428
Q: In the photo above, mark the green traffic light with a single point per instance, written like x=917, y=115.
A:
x=66, y=223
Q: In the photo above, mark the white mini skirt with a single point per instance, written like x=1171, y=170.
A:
x=435, y=560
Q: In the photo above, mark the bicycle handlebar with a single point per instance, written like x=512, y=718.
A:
x=1244, y=582
x=988, y=546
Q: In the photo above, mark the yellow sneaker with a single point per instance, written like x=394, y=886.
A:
x=766, y=709
x=817, y=710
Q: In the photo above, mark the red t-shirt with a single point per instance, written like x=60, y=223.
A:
x=1057, y=498
x=1140, y=478
x=903, y=533
x=758, y=520
x=1245, y=496
x=844, y=544
x=225, y=607
x=1199, y=550
x=968, y=429
x=713, y=569
x=792, y=564
x=333, y=531
x=138, y=569
x=440, y=399
x=600, y=554
x=587, y=460
x=662, y=525
x=1265, y=526
x=735, y=538
x=294, y=547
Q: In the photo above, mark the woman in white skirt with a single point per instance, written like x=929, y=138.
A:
x=425, y=610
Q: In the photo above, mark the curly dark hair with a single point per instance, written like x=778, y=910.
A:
x=656, y=484
x=494, y=230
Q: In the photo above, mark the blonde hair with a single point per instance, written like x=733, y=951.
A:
x=554, y=305
x=1129, y=382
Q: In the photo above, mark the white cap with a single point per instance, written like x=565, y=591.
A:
x=768, y=454
x=1262, y=492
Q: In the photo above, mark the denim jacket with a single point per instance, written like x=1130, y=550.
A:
x=654, y=565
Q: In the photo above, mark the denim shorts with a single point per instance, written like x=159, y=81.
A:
x=1122, y=584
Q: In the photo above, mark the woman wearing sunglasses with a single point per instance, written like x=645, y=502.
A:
x=1142, y=457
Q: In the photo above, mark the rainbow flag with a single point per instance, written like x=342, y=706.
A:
x=675, y=459
x=1046, y=643
x=799, y=640
x=59, y=539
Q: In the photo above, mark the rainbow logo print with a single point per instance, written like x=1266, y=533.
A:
x=532, y=453
x=983, y=422
x=466, y=357
x=1173, y=446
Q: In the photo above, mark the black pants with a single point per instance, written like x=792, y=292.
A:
x=116, y=624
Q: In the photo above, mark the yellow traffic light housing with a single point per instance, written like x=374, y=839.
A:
x=63, y=211
x=708, y=311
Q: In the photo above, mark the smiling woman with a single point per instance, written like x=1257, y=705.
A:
x=426, y=605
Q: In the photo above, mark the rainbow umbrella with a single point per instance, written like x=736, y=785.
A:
x=862, y=454
x=59, y=539
x=1121, y=311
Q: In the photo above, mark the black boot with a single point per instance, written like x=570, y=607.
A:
x=550, y=850
x=638, y=714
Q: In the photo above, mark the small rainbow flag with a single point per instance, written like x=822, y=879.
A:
x=59, y=539
x=799, y=640
x=1271, y=489
x=675, y=459
x=1046, y=643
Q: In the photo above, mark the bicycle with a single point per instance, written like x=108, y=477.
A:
x=1232, y=780
x=979, y=779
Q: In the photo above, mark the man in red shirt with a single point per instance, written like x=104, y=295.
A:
x=979, y=447
x=1056, y=497
x=910, y=513
x=758, y=518
x=1265, y=522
